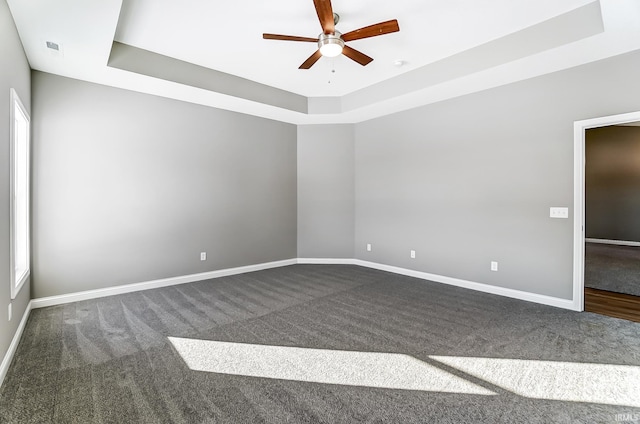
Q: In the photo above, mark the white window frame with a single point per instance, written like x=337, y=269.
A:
x=18, y=281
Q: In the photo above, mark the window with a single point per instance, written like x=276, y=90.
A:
x=19, y=218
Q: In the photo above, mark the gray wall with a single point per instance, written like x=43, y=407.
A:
x=471, y=180
x=14, y=73
x=325, y=191
x=130, y=187
x=612, y=183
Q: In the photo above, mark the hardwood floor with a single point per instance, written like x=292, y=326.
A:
x=612, y=304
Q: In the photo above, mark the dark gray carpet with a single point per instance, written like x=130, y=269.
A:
x=109, y=360
x=612, y=268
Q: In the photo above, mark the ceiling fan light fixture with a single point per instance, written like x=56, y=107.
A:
x=330, y=45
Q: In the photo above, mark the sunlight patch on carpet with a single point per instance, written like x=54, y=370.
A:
x=350, y=368
x=563, y=381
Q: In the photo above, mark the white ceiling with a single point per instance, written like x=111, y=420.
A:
x=449, y=48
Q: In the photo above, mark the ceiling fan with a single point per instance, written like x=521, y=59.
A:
x=331, y=42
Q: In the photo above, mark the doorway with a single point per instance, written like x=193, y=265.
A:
x=606, y=236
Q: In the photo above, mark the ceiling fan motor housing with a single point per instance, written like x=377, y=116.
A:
x=330, y=45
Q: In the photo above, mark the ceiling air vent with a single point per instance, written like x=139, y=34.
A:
x=54, y=49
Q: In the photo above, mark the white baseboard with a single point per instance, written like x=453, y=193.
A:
x=128, y=288
x=486, y=288
x=326, y=261
x=616, y=242
x=8, y=357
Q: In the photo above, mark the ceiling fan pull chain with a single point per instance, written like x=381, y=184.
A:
x=333, y=67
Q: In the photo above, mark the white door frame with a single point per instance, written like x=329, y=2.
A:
x=579, y=128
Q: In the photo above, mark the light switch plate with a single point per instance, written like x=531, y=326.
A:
x=557, y=212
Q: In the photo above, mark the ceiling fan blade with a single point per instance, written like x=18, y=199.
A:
x=356, y=56
x=372, y=30
x=312, y=59
x=325, y=14
x=288, y=38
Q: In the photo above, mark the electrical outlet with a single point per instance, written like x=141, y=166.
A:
x=203, y=256
x=9, y=311
x=413, y=254
x=494, y=266
x=368, y=247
